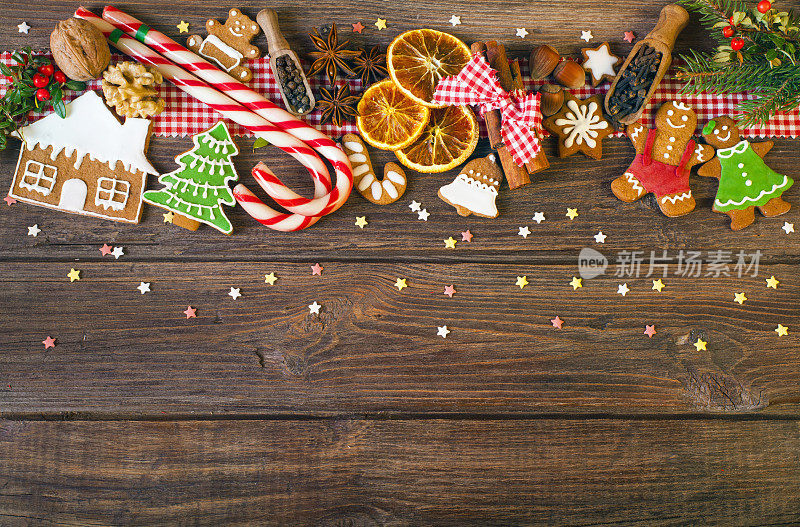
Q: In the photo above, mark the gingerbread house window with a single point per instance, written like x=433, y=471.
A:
x=38, y=177
x=112, y=193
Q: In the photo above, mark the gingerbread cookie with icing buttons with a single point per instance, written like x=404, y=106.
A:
x=381, y=192
x=474, y=190
x=745, y=180
x=664, y=157
x=228, y=45
x=580, y=126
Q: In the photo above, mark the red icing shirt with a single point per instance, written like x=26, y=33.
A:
x=657, y=177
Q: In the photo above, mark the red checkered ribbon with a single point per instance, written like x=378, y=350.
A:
x=477, y=85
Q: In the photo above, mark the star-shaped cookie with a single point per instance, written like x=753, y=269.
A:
x=580, y=126
x=600, y=62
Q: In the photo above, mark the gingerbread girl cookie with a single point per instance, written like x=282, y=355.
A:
x=745, y=181
x=664, y=158
x=228, y=44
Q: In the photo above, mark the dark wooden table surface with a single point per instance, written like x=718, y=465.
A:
x=259, y=412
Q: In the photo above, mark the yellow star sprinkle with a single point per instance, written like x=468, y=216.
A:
x=168, y=217
x=73, y=275
x=572, y=213
x=739, y=297
x=450, y=243
x=522, y=281
x=183, y=27
x=270, y=278
x=700, y=345
x=400, y=284
x=772, y=282
x=781, y=330
x=576, y=283
x=658, y=285
x=381, y=24
x=361, y=221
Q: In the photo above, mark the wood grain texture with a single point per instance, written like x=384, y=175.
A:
x=374, y=349
x=398, y=473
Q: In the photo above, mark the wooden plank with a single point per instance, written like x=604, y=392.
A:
x=369, y=473
x=375, y=349
x=394, y=232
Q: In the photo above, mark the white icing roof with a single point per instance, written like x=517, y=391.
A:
x=91, y=129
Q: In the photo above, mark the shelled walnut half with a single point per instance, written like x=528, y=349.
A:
x=130, y=88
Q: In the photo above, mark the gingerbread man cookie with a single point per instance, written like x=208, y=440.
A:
x=745, y=181
x=228, y=44
x=664, y=158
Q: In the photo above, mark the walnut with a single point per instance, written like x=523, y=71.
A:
x=79, y=49
x=131, y=88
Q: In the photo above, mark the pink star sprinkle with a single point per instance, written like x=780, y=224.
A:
x=9, y=200
x=358, y=27
x=191, y=312
x=449, y=290
x=650, y=330
x=49, y=342
x=629, y=36
x=466, y=236
x=316, y=269
x=557, y=322
x=105, y=250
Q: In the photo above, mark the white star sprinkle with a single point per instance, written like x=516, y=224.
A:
x=538, y=217
x=623, y=289
x=23, y=27
x=455, y=20
x=235, y=293
x=586, y=35
x=423, y=214
x=415, y=206
x=600, y=237
x=314, y=308
x=34, y=230
x=144, y=287
x=117, y=252
x=442, y=331
x=788, y=227
x=522, y=32
x=524, y=231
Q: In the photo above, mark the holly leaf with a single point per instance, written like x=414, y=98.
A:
x=75, y=85
x=5, y=70
x=60, y=108
x=738, y=16
x=260, y=142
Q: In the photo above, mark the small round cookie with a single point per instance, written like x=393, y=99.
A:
x=381, y=192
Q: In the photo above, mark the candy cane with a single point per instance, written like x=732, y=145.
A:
x=306, y=211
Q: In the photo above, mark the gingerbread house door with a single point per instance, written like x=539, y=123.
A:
x=73, y=195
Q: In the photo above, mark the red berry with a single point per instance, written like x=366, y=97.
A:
x=60, y=77
x=728, y=31
x=39, y=81
x=737, y=44
x=764, y=6
x=42, y=95
x=46, y=70
x=731, y=21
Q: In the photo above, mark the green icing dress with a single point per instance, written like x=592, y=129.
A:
x=745, y=180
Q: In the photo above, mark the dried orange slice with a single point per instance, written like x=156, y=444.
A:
x=447, y=141
x=387, y=118
x=420, y=58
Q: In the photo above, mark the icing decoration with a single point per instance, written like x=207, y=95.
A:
x=474, y=190
x=745, y=180
x=214, y=41
x=600, y=63
x=580, y=126
x=199, y=187
x=380, y=192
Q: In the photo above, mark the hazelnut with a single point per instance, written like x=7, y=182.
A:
x=79, y=49
x=552, y=99
x=570, y=74
x=543, y=61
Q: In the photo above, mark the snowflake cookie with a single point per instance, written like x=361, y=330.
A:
x=580, y=126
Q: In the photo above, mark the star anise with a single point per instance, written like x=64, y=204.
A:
x=370, y=66
x=331, y=56
x=337, y=105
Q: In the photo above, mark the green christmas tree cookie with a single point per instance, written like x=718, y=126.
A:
x=745, y=181
x=199, y=187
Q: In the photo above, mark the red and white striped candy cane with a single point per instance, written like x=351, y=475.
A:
x=306, y=211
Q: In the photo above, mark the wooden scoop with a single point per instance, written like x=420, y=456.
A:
x=278, y=48
x=662, y=38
